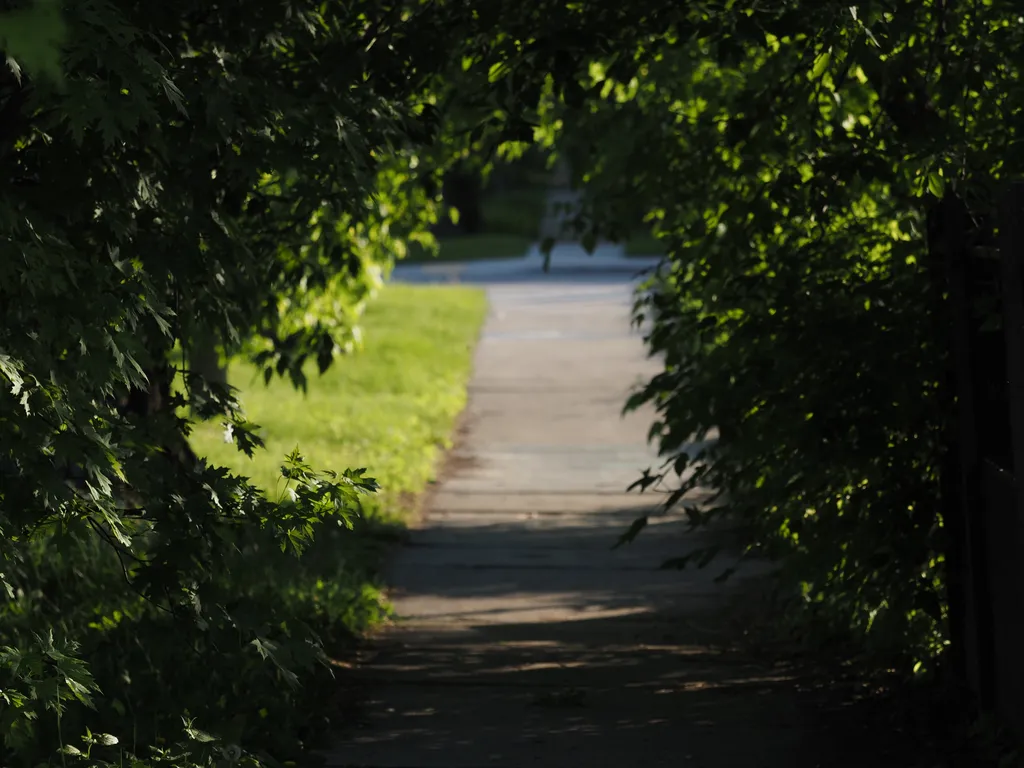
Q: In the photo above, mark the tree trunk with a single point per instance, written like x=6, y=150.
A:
x=204, y=359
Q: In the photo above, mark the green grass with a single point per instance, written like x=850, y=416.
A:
x=472, y=247
x=644, y=244
x=390, y=407
x=514, y=211
x=511, y=223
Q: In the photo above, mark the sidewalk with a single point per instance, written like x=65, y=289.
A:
x=569, y=263
x=522, y=639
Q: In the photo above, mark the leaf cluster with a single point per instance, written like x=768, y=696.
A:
x=788, y=156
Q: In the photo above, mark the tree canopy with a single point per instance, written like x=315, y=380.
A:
x=789, y=156
x=243, y=172
x=247, y=172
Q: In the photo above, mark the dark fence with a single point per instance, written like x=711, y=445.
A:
x=979, y=284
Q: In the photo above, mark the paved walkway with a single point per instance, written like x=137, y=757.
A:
x=522, y=639
x=569, y=264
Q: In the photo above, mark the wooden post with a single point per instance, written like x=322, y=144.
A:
x=1011, y=256
x=1009, y=626
x=962, y=292
x=970, y=619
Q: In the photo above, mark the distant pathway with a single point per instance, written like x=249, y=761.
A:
x=522, y=639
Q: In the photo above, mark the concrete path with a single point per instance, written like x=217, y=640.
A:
x=522, y=640
x=569, y=264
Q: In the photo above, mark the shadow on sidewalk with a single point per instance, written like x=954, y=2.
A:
x=531, y=643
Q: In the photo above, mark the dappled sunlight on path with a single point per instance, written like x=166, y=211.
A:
x=522, y=638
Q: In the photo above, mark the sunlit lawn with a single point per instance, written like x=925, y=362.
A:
x=390, y=407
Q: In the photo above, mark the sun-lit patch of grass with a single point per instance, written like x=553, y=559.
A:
x=389, y=407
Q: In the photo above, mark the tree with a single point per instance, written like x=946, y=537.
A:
x=789, y=157
x=245, y=172
x=242, y=173
x=248, y=173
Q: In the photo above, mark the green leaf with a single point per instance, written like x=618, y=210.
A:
x=820, y=66
x=32, y=37
x=10, y=371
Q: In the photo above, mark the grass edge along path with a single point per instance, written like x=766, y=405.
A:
x=391, y=407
